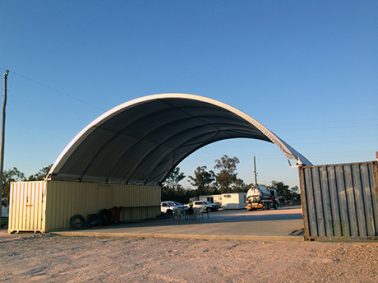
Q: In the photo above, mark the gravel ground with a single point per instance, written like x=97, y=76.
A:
x=49, y=258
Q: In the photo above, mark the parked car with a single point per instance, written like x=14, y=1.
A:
x=167, y=207
x=214, y=206
x=180, y=205
x=203, y=204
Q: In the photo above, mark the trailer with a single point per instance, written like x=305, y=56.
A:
x=233, y=200
x=227, y=200
x=211, y=198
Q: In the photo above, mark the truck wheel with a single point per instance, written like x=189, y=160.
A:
x=169, y=212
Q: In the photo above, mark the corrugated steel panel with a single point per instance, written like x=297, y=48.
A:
x=340, y=201
x=27, y=206
x=44, y=206
x=65, y=199
x=133, y=214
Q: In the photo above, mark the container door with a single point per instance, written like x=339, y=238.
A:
x=26, y=206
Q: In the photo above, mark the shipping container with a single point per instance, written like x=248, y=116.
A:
x=44, y=206
x=27, y=205
x=339, y=201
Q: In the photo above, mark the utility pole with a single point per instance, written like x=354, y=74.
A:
x=255, y=171
x=2, y=141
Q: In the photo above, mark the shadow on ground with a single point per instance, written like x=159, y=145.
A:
x=229, y=216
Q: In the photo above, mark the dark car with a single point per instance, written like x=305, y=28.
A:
x=214, y=205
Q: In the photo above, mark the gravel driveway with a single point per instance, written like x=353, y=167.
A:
x=46, y=258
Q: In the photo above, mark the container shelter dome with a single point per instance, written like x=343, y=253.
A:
x=141, y=141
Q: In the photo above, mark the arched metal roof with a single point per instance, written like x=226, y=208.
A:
x=140, y=141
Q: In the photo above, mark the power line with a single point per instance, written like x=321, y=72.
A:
x=332, y=120
x=55, y=90
x=332, y=127
x=322, y=140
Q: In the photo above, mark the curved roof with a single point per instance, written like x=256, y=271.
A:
x=142, y=140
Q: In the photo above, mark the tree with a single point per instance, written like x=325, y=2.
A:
x=41, y=174
x=11, y=175
x=296, y=194
x=14, y=175
x=202, y=179
x=295, y=190
x=239, y=186
x=172, y=190
x=227, y=172
x=284, y=191
x=173, y=179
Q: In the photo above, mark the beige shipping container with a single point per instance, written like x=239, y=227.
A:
x=44, y=206
x=27, y=206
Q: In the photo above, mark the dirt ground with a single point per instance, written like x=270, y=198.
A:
x=86, y=259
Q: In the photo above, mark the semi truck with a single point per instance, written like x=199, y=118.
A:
x=260, y=197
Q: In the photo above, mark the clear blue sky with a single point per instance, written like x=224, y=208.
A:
x=308, y=70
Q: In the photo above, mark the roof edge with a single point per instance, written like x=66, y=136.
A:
x=287, y=150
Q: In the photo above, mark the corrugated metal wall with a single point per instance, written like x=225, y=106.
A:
x=340, y=201
x=45, y=206
x=65, y=199
x=27, y=206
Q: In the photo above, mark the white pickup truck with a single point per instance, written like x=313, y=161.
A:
x=167, y=207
